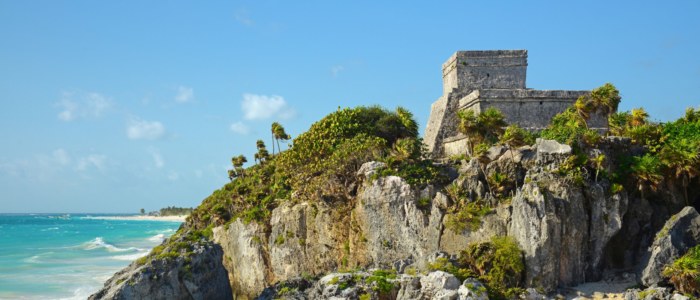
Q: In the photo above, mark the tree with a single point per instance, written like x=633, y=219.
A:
x=406, y=118
x=583, y=109
x=598, y=162
x=278, y=134
x=262, y=153
x=487, y=126
x=238, y=162
x=604, y=99
x=638, y=117
x=274, y=129
x=647, y=170
x=514, y=137
x=143, y=211
x=683, y=159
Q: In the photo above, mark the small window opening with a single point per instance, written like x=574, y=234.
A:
x=540, y=102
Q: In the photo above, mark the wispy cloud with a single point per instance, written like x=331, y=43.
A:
x=243, y=17
x=75, y=105
x=261, y=107
x=96, y=161
x=335, y=70
x=53, y=166
x=184, y=94
x=158, y=160
x=240, y=128
x=137, y=129
x=173, y=176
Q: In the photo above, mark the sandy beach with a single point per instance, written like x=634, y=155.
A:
x=178, y=218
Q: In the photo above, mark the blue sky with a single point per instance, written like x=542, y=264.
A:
x=115, y=106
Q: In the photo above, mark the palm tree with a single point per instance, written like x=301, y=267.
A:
x=274, y=129
x=605, y=99
x=583, y=109
x=514, y=137
x=406, y=118
x=638, y=117
x=646, y=169
x=598, y=162
x=468, y=126
x=278, y=134
x=490, y=124
x=262, y=153
x=683, y=159
x=238, y=162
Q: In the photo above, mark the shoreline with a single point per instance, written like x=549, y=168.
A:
x=178, y=218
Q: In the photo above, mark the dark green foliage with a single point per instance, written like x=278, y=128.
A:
x=568, y=128
x=175, y=211
x=380, y=281
x=467, y=217
x=498, y=264
x=485, y=127
x=684, y=273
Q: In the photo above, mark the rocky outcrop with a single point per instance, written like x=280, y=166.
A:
x=197, y=275
x=569, y=227
x=681, y=232
x=435, y=285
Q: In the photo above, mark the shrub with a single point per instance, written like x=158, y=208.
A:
x=498, y=264
x=684, y=273
x=468, y=217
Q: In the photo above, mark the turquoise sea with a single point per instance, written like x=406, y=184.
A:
x=58, y=256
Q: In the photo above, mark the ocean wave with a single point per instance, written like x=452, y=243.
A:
x=81, y=293
x=158, y=238
x=99, y=243
x=36, y=258
x=129, y=257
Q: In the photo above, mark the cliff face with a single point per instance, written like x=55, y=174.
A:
x=570, y=230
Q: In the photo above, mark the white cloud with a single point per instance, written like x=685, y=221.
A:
x=335, y=70
x=173, y=176
x=240, y=128
x=260, y=107
x=144, y=130
x=61, y=157
x=184, y=94
x=158, y=160
x=82, y=105
x=93, y=160
x=243, y=17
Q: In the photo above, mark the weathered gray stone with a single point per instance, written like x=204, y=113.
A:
x=680, y=233
x=370, y=168
x=472, y=289
x=202, y=277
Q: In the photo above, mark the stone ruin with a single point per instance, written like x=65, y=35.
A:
x=477, y=80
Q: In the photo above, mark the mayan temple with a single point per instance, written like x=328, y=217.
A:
x=477, y=80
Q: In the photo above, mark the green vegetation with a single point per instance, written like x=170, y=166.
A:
x=320, y=164
x=175, y=211
x=498, y=264
x=467, y=217
x=684, y=273
x=486, y=127
x=380, y=281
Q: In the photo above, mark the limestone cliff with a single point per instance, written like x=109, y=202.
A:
x=570, y=230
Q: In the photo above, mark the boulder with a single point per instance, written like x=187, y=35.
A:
x=680, y=233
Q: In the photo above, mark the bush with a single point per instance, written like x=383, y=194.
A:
x=684, y=273
x=498, y=264
x=468, y=217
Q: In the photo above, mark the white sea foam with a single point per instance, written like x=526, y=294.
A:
x=81, y=293
x=99, y=243
x=158, y=238
x=50, y=228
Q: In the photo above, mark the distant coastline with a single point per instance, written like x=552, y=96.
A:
x=177, y=218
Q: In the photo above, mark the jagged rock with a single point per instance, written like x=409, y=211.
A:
x=472, y=289
x=244, y=248
x=370, y=168
x=438, y=282
x=606, y=215
x=202, y=277
x=410, y=287
x=551, y=153
x=550, y=223
x=680, y=233
x=652, y=293
x=532, y=294
x=495, y=152
x=393, y=227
